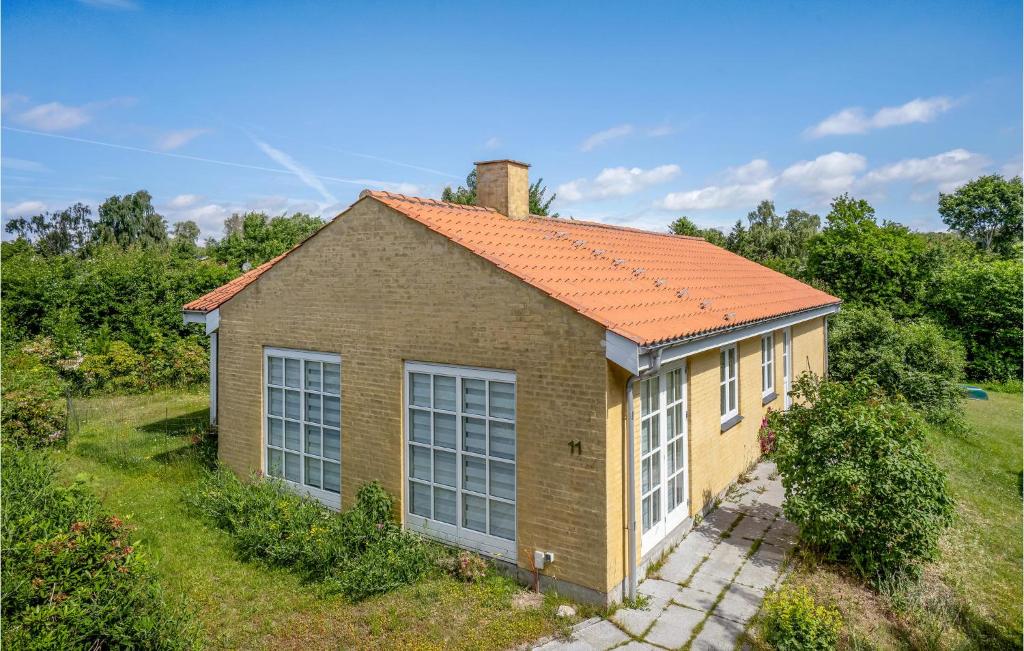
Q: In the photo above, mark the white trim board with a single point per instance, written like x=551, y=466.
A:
x=211, y=318
x=620, y=350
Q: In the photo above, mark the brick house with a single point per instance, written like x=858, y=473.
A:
x=548, y=392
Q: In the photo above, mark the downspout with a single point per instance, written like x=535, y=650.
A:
x=631, y=469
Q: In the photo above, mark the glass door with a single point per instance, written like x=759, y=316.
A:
x=664, y=476
x=787, y=368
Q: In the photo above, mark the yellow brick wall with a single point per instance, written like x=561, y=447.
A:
x=380, y=289
x=716, y=458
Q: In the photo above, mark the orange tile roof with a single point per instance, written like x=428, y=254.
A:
x=648, y=287
x=219, y=296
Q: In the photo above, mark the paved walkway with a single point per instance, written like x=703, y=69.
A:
x=710, y=585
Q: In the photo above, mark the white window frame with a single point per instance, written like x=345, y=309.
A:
x=457, y=534
x=787, y=367
x=729, y=382
x=328, y=498
x=767, y=364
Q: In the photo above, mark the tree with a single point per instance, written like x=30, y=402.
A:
x=685, y=226
x=860, y=260
x=986, y=210
x=255, y=238
x=540, y=204
x=185, y=235
x=56, y=233
x=129, y=220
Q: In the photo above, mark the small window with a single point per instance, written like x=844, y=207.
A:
x=302, y=418
x=767, y=365
x=729, y=383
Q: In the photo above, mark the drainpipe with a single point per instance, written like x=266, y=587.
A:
x=631, y=468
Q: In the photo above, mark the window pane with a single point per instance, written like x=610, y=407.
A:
x=419, y=384
x=275, y=462
x=291, y=435
x=313, y=375
x=313, y=407
x=503, y=520
x=275, y=399
x=332, y=411
x=444, y=468
x=646, y=508
x=680, y=419
x=645, y=436
x=419, y=426
x=503, y=480
x=291, y=466
x=332, y=444
x=291, y=373
x=444, y=392
x=645, y=476
x=275, y=432
x=419, y=462
x=474, y=398
x=503, y=440
x=724, y=402
x=721, y=365
x=474, y=513
x=313, y=440
x=473, y=474
x=312, y=477
x=444, y=430
x=655, y=431
x=419, y=499
x=332, y=477
x=732, y=395
x=445, y=508
x=655, y=507
x=276, y=371
x=474, y=435
x=332, y=378
x=291, y=404
x=679, y=451
x=656, y=470
x=503, y=400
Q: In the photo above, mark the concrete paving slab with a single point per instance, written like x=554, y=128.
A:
x=675, y=626
x=760, y=575
x=657, y=588
x=681, y=563
x=637, y=646
x=603, y=635
x=696, y=599
x=638, y=620
x=709, y=583
x=751, y=527
x=720, y=519
x=740, y=603
x=717, y=635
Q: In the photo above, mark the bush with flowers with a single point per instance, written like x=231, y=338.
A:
x=72, y=577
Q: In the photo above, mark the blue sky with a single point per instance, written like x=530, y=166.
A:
x=634, y=113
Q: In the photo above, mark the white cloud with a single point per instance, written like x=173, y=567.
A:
x=54, y=116
x=22, y=165
x=304, y=175
x=827, y=175
x=661, y=131
x=713, y=197
x=604, y=137
x=1012, y=168
x=947, y=170
x=492, y=143
x=855, y=120
x=185, y=200
x=616, y=182
x=26, y=208
x=756, y=170
x=175, y=139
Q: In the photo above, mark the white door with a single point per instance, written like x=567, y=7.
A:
x=663, y=456
x=787, y=368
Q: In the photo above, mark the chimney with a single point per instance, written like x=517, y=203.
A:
x=504, y=185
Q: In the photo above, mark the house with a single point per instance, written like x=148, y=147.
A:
x=555, y=394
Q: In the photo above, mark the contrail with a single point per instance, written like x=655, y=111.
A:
x=306, y=176
x=200, y=159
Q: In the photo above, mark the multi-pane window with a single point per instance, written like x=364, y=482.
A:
x=461, y=461
x=729, y=383
x=675, y=439
x=767, y=364
x=302, y=408
x=650, y=452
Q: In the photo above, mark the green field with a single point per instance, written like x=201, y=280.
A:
x=970, y=598
x=137, y=454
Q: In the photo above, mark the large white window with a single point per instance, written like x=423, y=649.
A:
x=461, y=463
x=650, y=452
x=663, y=455
x=767, y=365
x=729, y=384
x=302, y=416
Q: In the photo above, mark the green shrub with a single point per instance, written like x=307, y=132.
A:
x=463, y=565
x=34, y=412
x=360, y=552
x=71, y=576
x=791, y=621
x=913, y=359
x=858, y=480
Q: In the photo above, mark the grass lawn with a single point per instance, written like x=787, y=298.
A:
x=136, y=454
x=971, y=597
